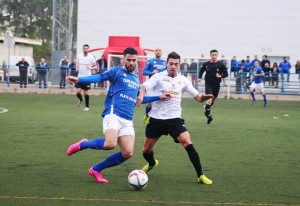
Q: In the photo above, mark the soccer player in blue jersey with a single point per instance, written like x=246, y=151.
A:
x=153, y=66
x=118, y=114
x=258, y=83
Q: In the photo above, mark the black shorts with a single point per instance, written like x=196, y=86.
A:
x=158, y=127
x=212, y=89
x=84, y=86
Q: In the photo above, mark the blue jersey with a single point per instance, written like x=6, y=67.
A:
x=122, y=93
x=153, y=64
x=258, y=79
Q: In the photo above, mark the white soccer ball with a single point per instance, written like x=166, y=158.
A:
x=137, y=179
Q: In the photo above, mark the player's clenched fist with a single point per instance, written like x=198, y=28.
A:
x=72, y=79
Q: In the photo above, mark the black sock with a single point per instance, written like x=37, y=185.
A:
x=207, y=110
x=149, y=157
x=79, y=96
x=195, y=159
x=87, y=100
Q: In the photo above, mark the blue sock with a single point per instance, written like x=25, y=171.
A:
x=97, y=143
x=253, y=96
x=265, y=98
x=148, y=109
x=110, y=161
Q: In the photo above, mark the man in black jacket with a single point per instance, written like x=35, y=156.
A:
x=215, y=71
x=23, y=67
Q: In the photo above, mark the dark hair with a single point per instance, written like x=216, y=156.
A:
x=275, y=63
x=265, y=56
x=213, y=50
x=86, y=45
x=130, y=51
x=173, y=55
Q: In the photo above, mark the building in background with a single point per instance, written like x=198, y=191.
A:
x=193, y=27
x=23, y=47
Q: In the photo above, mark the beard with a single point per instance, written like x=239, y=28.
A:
x=130, y=68
x=85, y=52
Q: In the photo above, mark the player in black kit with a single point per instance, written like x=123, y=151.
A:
x=215, y=71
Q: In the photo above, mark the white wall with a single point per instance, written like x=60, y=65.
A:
x=192, y=27
x=17, y=50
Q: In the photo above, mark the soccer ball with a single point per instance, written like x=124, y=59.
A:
x=137, y=179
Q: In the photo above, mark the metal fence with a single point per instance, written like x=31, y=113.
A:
x=237, y=82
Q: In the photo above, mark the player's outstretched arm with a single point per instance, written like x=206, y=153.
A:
x=72, y=79
x=203, y=97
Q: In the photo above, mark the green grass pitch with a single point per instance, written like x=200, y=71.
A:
x=251, y=153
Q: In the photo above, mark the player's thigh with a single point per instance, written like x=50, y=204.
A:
x=216, y=89
x=252, y=86
x=111, y=129
x=208, y=89
x=149, y=144
x=175, y=128
x=78, y=90
x=184, y=139
x=260, y=87
x=126, y=144
x=86, y=92
x=111, y=139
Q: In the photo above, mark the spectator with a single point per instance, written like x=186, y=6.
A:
x=241, y=65
x=23, y=67
x=184, y=67
x=267, y=71
x=102, y=66
x=255, y=59
x=248, y=64
x=63, y=71
x=263, y=63
x=72, y=68
x=275, y=72
x=234, y=65
x=193, y=71
x=42, y=70
x=297, y=68
x=284, y=68
x=248, y=69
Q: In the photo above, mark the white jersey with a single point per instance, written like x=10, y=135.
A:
x=83, y=63
x=162, y=83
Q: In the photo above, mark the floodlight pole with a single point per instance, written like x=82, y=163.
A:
x=9, y=42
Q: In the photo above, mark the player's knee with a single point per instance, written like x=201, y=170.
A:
x=185, y=143
x=147, y=149
x=109, y=145
x=127, y=154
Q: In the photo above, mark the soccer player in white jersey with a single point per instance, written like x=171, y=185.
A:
x=153, y=66
x=118, y=114
x=165, y=116
x=84, y=66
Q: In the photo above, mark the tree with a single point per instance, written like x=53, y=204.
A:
x=32, y=19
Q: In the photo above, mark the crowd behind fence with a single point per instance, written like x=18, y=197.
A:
x=237, y=81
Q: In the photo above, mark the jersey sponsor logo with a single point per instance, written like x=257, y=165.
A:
x=172, y=92
x=131, y=83
x=128, y=97
x=166, y=80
